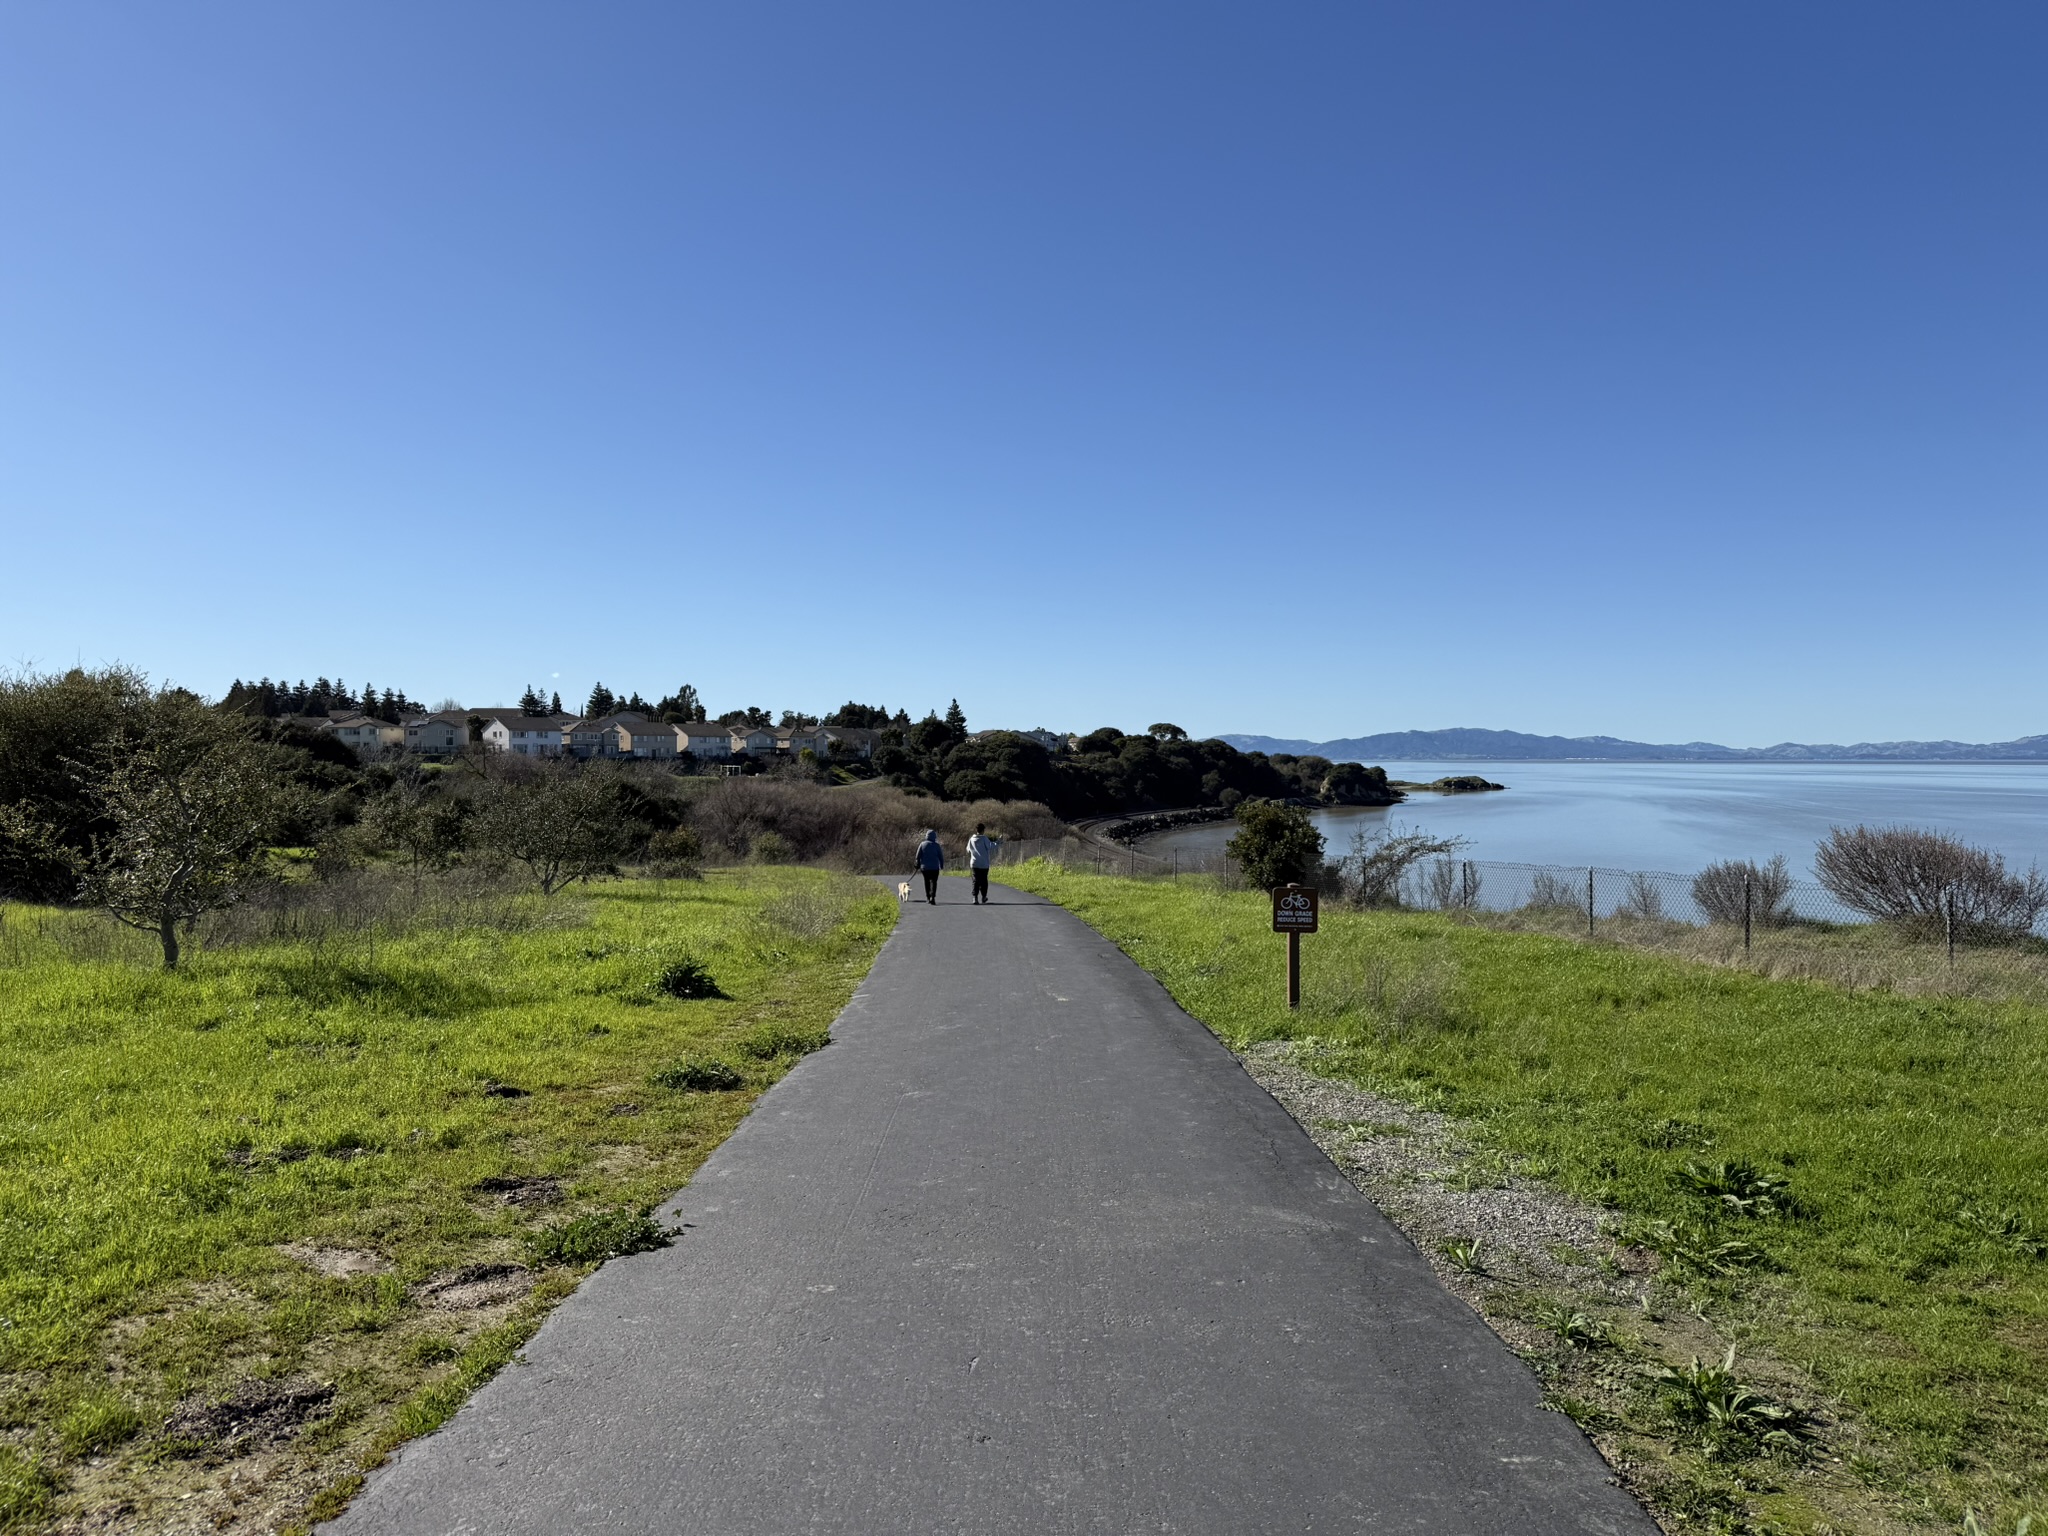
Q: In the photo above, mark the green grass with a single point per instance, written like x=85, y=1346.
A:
x=163, y=1136
x=1902, y=1142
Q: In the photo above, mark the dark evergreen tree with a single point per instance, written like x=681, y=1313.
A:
x=531, y=703
x=956, y=720
x=859, y=716
x=600, y=702
x=555, y=704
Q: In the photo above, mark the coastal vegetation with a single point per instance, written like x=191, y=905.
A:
x=1107, y=772
x=267, y=1215
x=1844, y=1187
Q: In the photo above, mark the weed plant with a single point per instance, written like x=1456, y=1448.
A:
x=600, y=1235
x=1908, y=1283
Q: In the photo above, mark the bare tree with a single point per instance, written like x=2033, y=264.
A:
x=1728, y=890
x=1919, y=878
x=186, y=800
x=564, y=823
x=1379, y=861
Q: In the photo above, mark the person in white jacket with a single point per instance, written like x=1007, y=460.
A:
x=981, y=853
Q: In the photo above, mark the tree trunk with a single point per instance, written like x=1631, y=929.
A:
x=167, y=934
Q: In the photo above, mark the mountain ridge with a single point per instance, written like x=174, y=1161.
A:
x=1473, y=744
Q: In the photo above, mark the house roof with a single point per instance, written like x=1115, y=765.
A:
x=704, y=728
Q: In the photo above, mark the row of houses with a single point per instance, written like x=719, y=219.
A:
x=624, y=734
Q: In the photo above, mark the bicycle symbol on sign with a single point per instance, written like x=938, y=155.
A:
x=1295, y=901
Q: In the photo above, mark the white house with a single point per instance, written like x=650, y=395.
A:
x=524, y=735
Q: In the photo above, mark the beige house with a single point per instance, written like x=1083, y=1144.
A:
x=366, y=733
x=793, y=740
x=637, y=736
x=701, y=738
x=847, y=740
x=753, y=741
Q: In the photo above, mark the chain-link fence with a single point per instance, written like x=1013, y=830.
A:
x=1754, y=918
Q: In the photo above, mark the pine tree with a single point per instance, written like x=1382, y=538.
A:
x=555, y=704
x=530, y=702
x=956, y=720
x=600, y=703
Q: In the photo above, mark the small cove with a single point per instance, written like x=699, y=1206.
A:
x=1684, y=816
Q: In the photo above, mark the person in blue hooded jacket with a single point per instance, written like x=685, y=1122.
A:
x=931, y=858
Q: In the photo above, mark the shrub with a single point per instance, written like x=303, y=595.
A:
x=1718, y=890
x=687, y=980
x=1454, y=885
x=1644, y=899
x=676, y=845
x=1275, y=844
x=700, y=1075
x=1550, y=891
x=770, y=848
x=599, y=1236
x=1380, y=861
x=1915, y=878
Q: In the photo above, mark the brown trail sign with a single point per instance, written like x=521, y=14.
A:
x=1295, y=909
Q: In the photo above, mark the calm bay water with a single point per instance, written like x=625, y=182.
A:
x=1683, y=816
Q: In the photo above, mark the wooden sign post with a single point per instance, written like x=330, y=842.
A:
x=1294, y=913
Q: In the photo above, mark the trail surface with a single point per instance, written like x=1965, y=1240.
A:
x=1024, y=1250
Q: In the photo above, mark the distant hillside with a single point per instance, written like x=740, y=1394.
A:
x=1467, y=744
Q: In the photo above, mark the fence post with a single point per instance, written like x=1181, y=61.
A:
x=1948, y=925
x=1589, y=902
x=1745, y=914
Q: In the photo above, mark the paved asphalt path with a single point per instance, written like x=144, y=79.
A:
x=1024, y=1250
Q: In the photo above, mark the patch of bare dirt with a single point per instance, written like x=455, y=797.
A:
x=474, y=1287
x=336, y=1263
x=525, y=1192
x=253, y=1415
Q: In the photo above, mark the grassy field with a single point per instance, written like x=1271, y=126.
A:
x=1889, y=1259
x=265, y=1218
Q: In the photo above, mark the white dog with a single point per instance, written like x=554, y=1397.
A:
x=903, y=890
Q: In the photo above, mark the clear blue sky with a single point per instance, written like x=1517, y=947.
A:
x=1666, y=371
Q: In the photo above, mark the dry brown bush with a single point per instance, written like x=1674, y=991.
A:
x=867, y=828
x=1916, y=878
